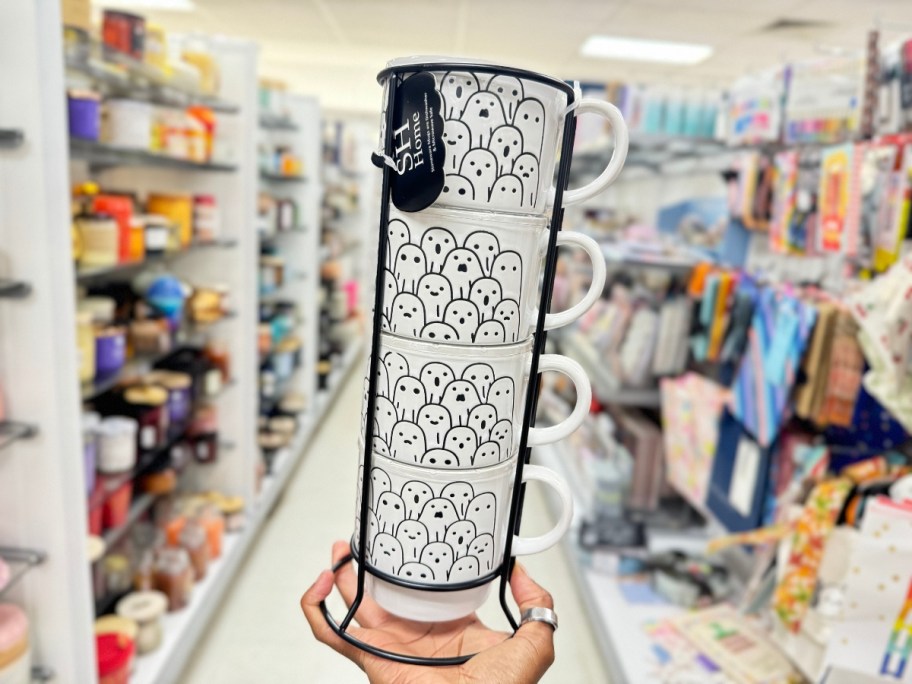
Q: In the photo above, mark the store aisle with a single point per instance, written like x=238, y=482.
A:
x=260, y=635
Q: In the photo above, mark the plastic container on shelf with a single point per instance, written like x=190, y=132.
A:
x=85, y=343
x=15, y=651
x=84, y=114
x=110, y=350
x=127, y=124
x=117, y=444
x=115, y=653
x=114, y=624
x=144, y=609
x=90, y=424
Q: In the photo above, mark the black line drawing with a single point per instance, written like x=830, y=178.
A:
x=484, y=112
x=436, y=243
x=456, y=89
x=430, y=535
x=446, y=418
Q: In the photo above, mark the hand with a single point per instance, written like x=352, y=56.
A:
x=522, y=659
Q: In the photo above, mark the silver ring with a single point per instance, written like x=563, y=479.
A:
x=546, y=615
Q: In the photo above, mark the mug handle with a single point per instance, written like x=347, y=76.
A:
x=618, y=156
x=574, y=371
x=525, y=546
x=599, y=274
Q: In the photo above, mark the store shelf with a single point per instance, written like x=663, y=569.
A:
x=84, y=275
x=138, y=508
x=137, y=366
x=645, y=256
x=21, y=561
x=99, y=156
x=124, y=76
x=605, y=386
x=183, y=629
x=616, y=624
x=11, y=431
x=281, y=178
x=277, y=123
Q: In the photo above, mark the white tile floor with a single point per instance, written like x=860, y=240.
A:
x=260, y=635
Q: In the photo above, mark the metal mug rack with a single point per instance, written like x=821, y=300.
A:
x=531, y=400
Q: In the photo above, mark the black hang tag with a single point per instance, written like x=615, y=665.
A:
x=417, y=149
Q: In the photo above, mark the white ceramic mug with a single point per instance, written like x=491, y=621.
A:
x=438, y=528
x=467, y=277
x=451, y=407
x=502, y=130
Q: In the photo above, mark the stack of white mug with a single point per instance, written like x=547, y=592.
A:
x=461, y=293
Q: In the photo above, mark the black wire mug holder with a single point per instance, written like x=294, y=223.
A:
x=531, y=405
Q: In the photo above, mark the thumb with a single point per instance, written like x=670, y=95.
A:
x=537, y=635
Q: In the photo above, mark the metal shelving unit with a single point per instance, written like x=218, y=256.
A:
x=21, y=560
x=281, y=178
x=100, y=156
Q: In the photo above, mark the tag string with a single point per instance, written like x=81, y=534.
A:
x=380, y=158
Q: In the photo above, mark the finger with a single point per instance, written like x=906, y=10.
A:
x=538, y=635
x=369, y=613
x=310, y=604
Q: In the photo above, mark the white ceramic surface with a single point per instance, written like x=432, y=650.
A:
x=437, y=527
x=453, y=406
x=502, y=134
x=473, y=277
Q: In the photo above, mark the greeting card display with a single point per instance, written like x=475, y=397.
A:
x=475, y=161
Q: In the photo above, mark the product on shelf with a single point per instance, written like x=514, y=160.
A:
x=15, y=651
x=115, y=652
x=145, y=609
x=117, y=444
x=84, y=114
x=173, y=576
x=116, y=506
x=124, y=32
x=114, y=624
x=177, y=208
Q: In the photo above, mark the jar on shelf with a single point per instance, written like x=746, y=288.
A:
x=116, y=444
x=136, y=240
x=90, y=424
x=143, y=572
x=145, y=609
x=84, y=114
x=232, y=509
x=180, y=399
x=118, y=577
x=150, y=336
x=127, y=124
x=110, y=350
x=115, y=653
x=114, y=624
x=205, y=217
x=178, y=209
x=148, y=405
x=173, y=577
x=15, y=650
x=100, y=240
x=117, y=496
x=211, y=520
x=156, y=233
x=193, y=539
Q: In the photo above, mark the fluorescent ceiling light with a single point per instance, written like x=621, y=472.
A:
x=643, y=50
x=162, y=5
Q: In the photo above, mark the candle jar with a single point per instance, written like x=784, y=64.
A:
x=193, y=540
x=145, y=609
x=178, y=385
x=173, y=576
x=212, y=521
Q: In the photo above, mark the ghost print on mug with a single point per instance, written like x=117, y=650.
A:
x=430, y=532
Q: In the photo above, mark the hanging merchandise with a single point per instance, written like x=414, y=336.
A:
x=839, y=199
x=755, y=108
x=884, y=314
x=893, y=227
x=777, y=339
x=691, y=409
x=784, y=199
